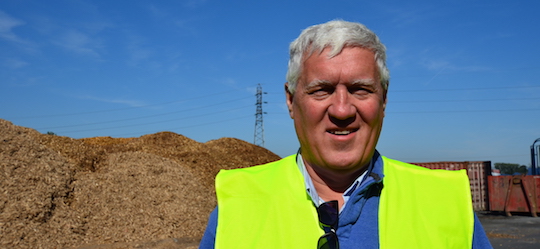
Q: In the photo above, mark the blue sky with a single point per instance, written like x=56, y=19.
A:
x=464, y=74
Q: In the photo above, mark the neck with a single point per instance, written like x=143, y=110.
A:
x=331, y=185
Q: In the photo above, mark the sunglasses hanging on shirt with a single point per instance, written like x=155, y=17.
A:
x=328, y=219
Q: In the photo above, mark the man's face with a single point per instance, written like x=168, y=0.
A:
x=338, y=109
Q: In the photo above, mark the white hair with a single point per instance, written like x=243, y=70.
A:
x=336, y=35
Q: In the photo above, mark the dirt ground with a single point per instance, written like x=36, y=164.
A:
x=154, y=191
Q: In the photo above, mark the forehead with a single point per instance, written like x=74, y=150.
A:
x=351, y=64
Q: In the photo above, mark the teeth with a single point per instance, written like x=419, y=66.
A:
x=341, y=132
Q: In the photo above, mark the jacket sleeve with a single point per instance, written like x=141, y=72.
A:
x=480, y=239
x=209, y=238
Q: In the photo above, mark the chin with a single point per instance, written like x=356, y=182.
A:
x=346, y=165
x=350, y=160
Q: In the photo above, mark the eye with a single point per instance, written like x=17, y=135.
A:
x=321, y=91
x=360, y=90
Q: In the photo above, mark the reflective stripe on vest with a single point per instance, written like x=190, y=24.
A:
x=267, y=206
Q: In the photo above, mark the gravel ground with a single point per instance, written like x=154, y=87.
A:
x=520, y=231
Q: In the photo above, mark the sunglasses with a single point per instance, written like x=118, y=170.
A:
x=328, y=220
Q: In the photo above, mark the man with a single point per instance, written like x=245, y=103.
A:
x=337, y=191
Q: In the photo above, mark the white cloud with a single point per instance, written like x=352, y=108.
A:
x=7, y=24
x=194, y=3
x=441, y=65
x=137, y=52
x=128, y=102
x=14, y=63
x=230, y=82
x=411, y=16
x=78, y=42
x=448, y=60
x=157, y=12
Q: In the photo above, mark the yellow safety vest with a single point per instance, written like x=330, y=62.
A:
x=267, y=206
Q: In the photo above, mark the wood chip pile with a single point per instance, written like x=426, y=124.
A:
x=155, y=191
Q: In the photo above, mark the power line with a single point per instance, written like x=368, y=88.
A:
x=463, y=89
x=120, y=109
x=471, y=158
x=459, y=100
x=189, y=126
x=143, y=117
x=140, y=124
x=465, y=111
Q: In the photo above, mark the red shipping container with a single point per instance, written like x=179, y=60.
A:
x=514, y=194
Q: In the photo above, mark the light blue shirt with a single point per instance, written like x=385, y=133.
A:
x=317, y=200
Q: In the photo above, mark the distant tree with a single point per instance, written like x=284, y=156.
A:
x=511, y=168
x=522, y=170
x=51, y=133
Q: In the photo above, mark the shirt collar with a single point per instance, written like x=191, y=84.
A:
x=310, y=188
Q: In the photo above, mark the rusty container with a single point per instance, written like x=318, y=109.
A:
x=477, y=171
x=514, y=194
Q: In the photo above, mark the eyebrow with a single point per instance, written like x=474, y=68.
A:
x=317, y=82
x=364, y=82
x=360, y=82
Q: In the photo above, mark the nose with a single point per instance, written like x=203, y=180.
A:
x=342, y=107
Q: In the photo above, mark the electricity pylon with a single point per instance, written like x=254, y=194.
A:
x=259, y=127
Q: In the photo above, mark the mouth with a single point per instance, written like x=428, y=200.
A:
x=342, y=132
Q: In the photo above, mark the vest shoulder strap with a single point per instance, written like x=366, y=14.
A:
x=424, y=208
x=265, y=207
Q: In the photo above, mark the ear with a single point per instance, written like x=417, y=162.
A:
x=290, y=98
x=384, y=104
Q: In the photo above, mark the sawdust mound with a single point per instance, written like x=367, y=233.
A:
x=34, y=182
x=155, y=191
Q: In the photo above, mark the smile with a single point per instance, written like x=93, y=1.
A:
x=342, y=132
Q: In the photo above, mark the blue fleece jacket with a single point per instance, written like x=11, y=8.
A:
x=358, y=220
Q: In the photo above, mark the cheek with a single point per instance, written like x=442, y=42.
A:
x=372, y=113
x=308, y=121
x=308, y=110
